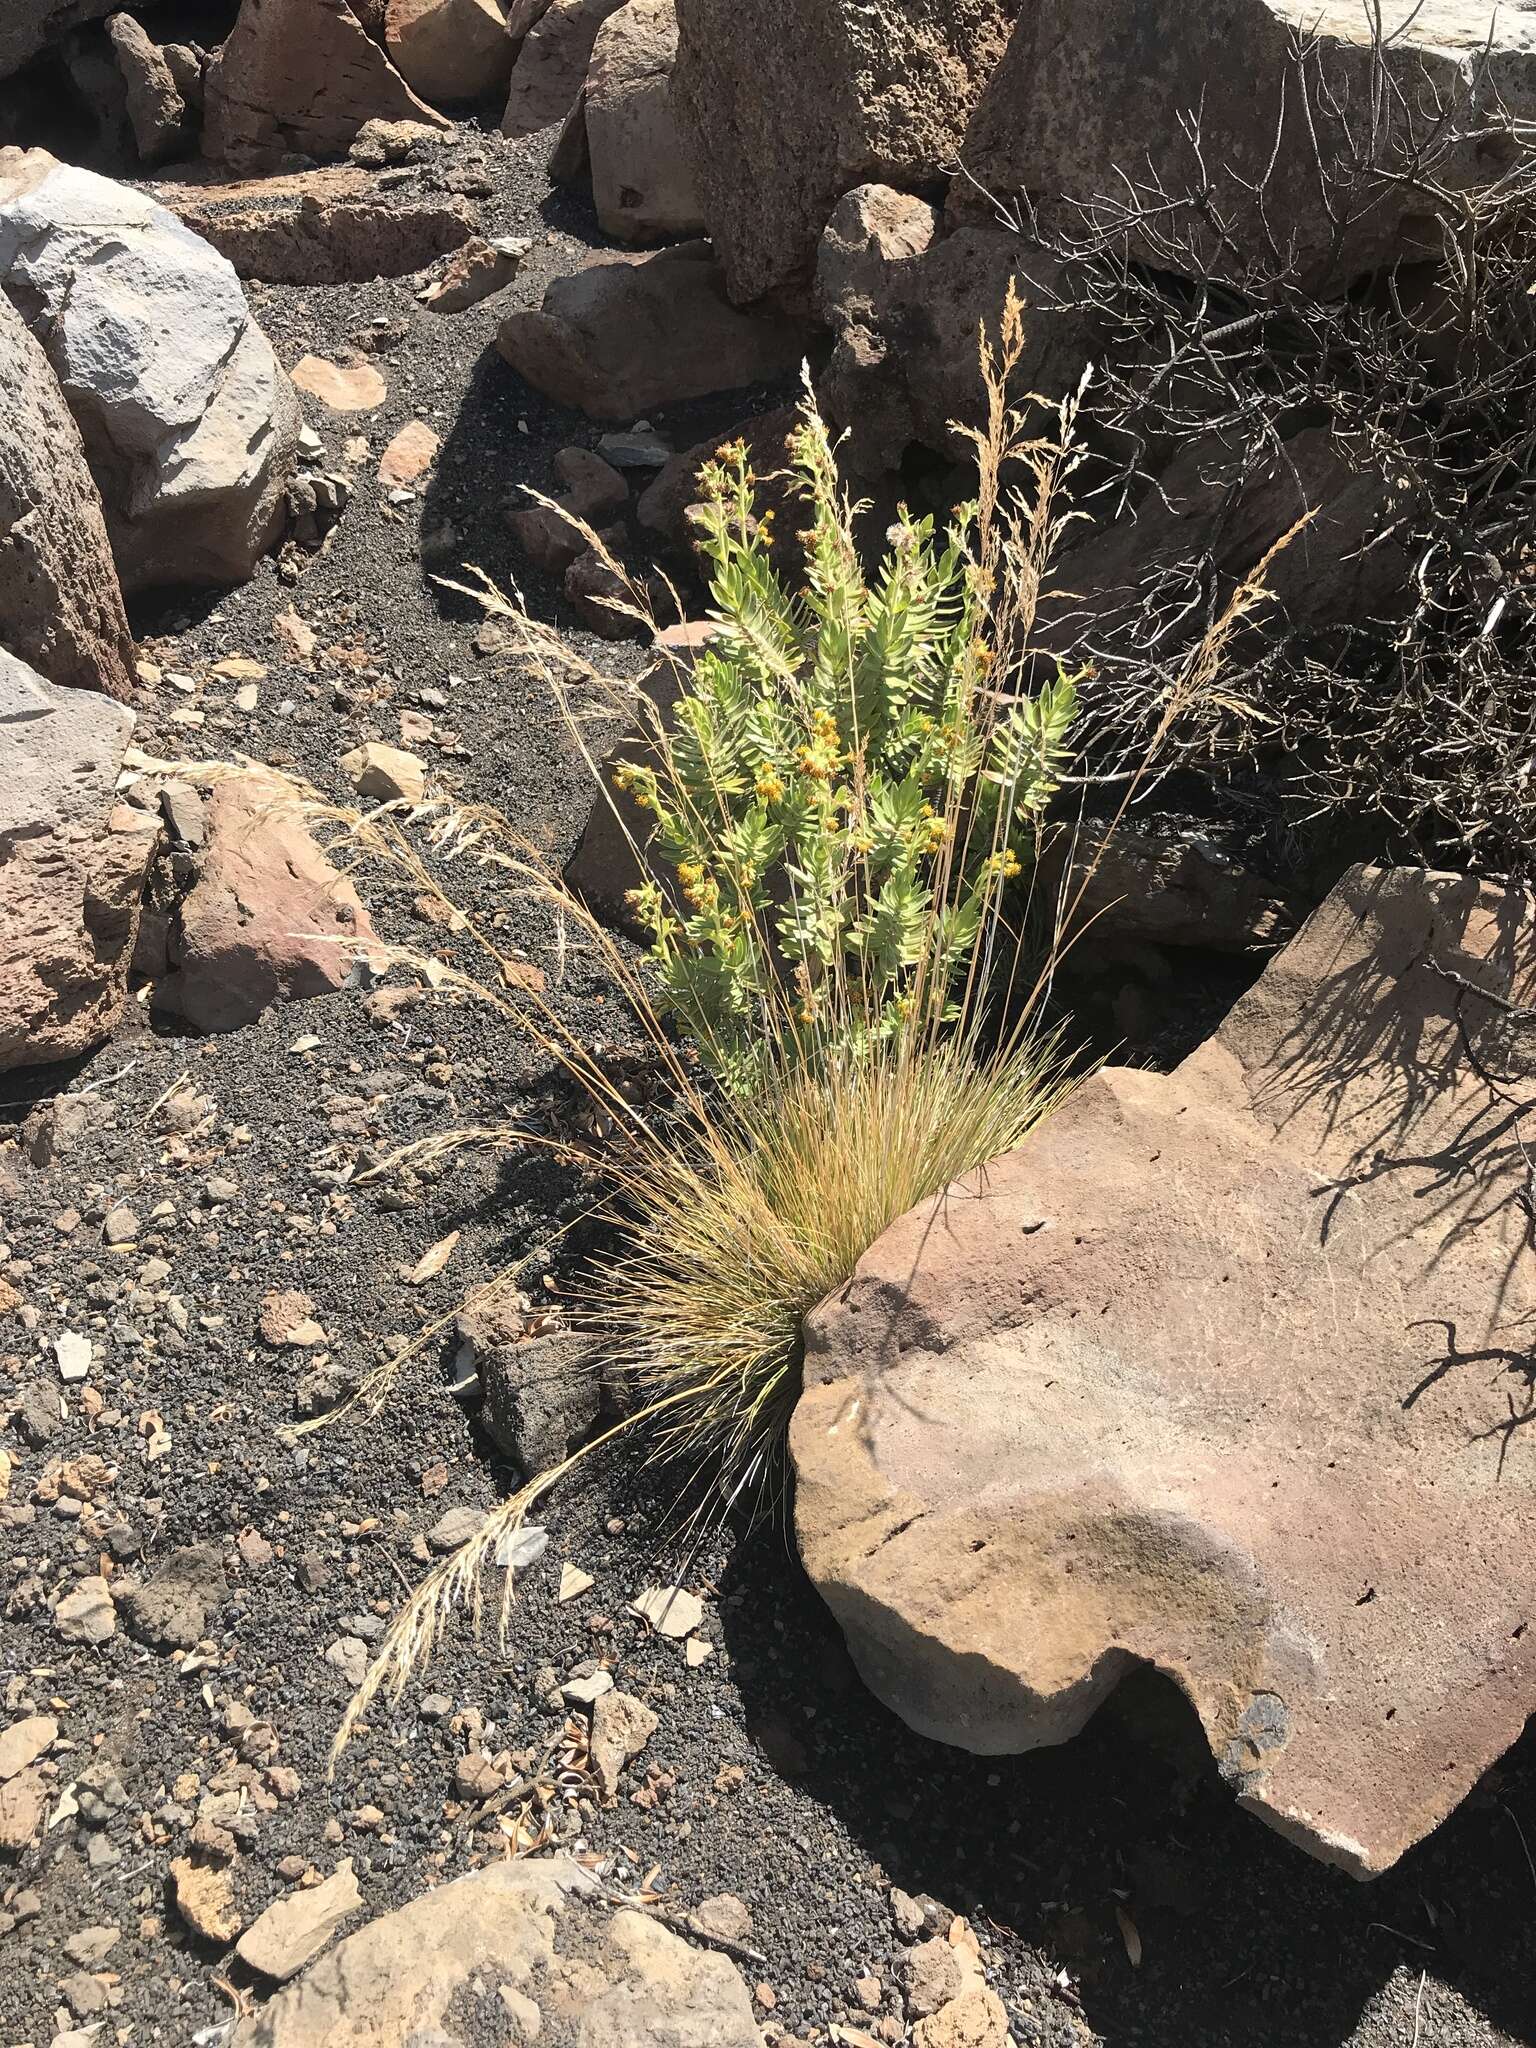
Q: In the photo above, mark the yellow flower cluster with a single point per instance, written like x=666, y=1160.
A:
x=638, y=783
x=698, y=889
x=821, y=757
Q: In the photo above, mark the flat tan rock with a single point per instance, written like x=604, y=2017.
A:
x=388, y=775
x=205, y=1899
x=621, y=1728
x=267, y=918
x=538, y=1933
x=24, y=1742
x=1227, y=1372
x=23, y=1809
x=409, y=455
x=294, y=1929
x=343, y=387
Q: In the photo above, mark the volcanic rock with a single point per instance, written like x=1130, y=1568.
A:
x=61, y=607
x=783, y=109
x=300, y=75
x=551, y=66
x=1092, y=93
x=190, y=446
x=541, y=1396
x=156, y=109
x=627, y=333
x=29, y=26
x=641, y=182
x=908, y=310
x=293, y=1930
x=1223, y=1372
x=478, y=271
x=72, y=868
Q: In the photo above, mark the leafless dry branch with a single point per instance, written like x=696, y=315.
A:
x=1413, y=714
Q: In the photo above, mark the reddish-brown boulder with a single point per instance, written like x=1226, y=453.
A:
x=1227, y=1372
x=300, y=75
x=61, y=608
x=627, y=333
x=72, y=868
x=268, y=918
x=784, y=108
x=453, y=52
x=1217, y=511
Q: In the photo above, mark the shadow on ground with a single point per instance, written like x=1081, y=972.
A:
x=1243, y=1937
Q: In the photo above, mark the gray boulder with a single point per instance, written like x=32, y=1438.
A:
x=551, y=66
x=907, y=304
x=189, y=423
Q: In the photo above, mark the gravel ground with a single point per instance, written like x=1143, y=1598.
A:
x=772, y=1774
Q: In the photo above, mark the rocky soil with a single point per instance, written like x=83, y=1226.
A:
x=159, y=1194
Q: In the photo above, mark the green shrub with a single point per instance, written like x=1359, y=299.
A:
x=836, y=792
